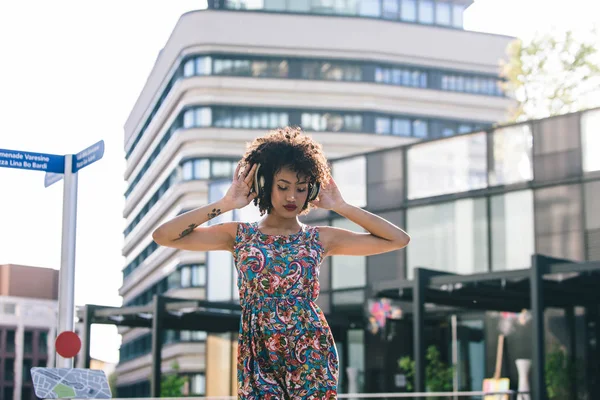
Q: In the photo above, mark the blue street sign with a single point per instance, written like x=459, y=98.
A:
x=88, y=156
x=51, y=178
x=28, y=160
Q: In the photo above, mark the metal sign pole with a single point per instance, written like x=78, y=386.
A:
x=66, y=296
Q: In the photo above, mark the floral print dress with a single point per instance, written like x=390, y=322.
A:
x=285, y=347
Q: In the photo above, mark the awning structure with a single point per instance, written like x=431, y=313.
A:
x=162, y=314
x=169, y=313
x=549, y=282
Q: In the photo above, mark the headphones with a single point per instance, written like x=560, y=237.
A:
x=259, y=186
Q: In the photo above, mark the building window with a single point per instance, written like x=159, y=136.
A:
x=332, y=122
x=448, y=237
x=401, y=127
x=457, y=15
x=391, y=9
x=409, y=10
x=300, y=6
x=10, y=341
x=200, y=65
x=442, y=13
x=197, y=117
x=590, y=140
x=9, y=369
x=350, y=175
x=197, y=384
x=28, y=343
x=426, y=11
x=511, y=155
x=401, y=76
x=192, y=336
x=447, y=166
x=356, y=355
x=348, y=271
x=420, y=128
x=43, y=342
x=202, y=169
x=9, y=308
x=558, y=224
x=249, y=119
x=383, y=125
x=512, y=230
x=370, y=8
x=331, y=71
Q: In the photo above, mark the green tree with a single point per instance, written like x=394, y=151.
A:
x=171, y=385
x=552, y=74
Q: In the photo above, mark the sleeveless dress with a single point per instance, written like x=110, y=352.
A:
x=285, y=347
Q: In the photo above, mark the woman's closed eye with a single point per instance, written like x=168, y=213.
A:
x=283, y=189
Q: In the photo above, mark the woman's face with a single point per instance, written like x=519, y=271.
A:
x=289, y=192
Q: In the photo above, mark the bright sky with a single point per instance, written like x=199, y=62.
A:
x=71, y=72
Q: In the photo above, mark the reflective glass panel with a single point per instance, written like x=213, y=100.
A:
x=448, y=237
x=348, y=271
x=409, y=10
x=447, y=166
x=351, y=178
x=511, y=155
x=512, y=230
x=590, y=140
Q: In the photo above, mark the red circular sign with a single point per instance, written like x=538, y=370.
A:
x=67, y=344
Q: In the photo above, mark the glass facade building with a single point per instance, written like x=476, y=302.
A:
x=478, y=203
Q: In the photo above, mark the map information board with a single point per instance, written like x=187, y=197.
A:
x=70, y=383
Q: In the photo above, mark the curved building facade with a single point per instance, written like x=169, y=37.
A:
x=357, y=75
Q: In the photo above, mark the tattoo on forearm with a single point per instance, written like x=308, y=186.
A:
x=187, y=231
x=214, y=213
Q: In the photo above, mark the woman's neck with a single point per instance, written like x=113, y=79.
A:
x=281, y=225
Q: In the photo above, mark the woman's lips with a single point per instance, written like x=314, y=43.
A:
x=290, y=207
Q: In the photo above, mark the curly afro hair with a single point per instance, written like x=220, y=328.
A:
x=286, y=147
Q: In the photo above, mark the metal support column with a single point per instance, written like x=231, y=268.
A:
x=538, y=387
x=88, y=317
x=157, y=332
x=419, y=282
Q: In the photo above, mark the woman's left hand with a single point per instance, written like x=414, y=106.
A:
x=329, y=197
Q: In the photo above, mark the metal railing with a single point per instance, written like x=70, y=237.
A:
x=503, y=395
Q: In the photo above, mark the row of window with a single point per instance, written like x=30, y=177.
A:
x=428, y=12
x=353, y=71
x=201, y=168
x=185, y=276
x=33, y=342
x=142, y=345
x=257, y=118
x=139, y=259
x=319, y=121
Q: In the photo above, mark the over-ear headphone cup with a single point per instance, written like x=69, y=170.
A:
x=259, y=182
x=314, y=191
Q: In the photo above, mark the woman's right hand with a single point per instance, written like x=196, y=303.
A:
x=238, y=194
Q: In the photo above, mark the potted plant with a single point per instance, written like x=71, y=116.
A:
x=438, y=376
x=561, y=372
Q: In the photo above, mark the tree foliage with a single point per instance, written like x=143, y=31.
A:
x=553, y=74
x=172, y=384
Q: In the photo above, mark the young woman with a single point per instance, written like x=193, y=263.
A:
x=286, y=349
